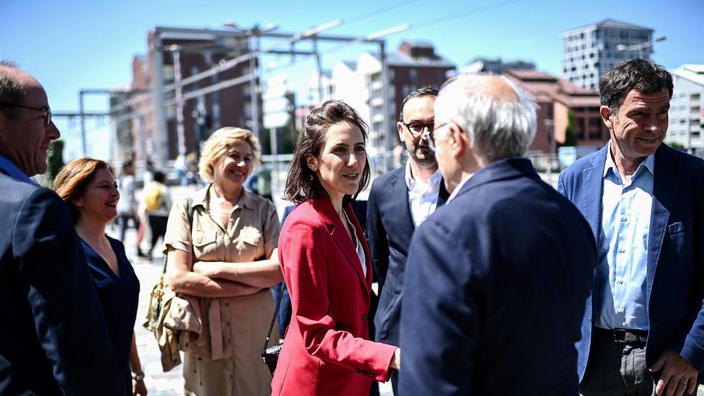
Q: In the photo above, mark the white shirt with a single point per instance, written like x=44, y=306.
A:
x=422, y=197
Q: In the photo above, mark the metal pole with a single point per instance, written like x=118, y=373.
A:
x=388, y=143
x=319, y=66
x=253, y=86
x=158, y=130
x=83, y=123
x=180, y=131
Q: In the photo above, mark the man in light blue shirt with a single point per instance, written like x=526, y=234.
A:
x=643, y=330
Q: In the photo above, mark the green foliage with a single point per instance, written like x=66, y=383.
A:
x=56, y=159
x=570, y=139
x=677, y=145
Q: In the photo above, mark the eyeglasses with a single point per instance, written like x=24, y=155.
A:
x=417, y=128
x=46, y=110
x=431, y=140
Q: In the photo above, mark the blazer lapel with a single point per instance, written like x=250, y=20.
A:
x=664, y=190
x=340, y=236
x=443, y=194
x=399, y=189
x=592, y=189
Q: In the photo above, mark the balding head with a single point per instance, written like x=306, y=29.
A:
x=497, y=116
x=25, y=127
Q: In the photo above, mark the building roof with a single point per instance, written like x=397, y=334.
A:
x=694, y=73
x=546, y=87
x=610, y=23
x=398, y=58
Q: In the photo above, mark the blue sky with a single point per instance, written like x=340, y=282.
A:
x=90, y=44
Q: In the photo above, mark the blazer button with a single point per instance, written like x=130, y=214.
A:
x=364, y=316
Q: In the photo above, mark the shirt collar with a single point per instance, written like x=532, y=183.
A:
x=457, y=189
x=12, y=170
x=648, y=163
x=200, y=197
x=411, y=183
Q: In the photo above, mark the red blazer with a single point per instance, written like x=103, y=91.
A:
x=327, y=349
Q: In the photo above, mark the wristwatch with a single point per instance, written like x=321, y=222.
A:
x=138, y=376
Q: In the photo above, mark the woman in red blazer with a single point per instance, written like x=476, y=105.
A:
x=326, y=264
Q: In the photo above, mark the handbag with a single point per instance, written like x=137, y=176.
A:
x=156, y=298
x=270, y=354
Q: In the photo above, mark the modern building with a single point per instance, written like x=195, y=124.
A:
x=210, y=100
x=687, y=108
x=589, y=51
x=563, y=109
x=361, y=84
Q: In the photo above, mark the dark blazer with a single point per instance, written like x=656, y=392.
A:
x=675, y=274
x=327, y=349
x=53, y=339
x=390, y=229
x=495, y=288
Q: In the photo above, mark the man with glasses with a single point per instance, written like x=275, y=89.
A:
x=496, y=279
x=54, y=339
x=399, y=202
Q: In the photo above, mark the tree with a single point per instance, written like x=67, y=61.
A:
x=56, y=159
x=570, y=140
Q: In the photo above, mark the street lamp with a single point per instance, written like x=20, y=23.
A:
x=640, y=47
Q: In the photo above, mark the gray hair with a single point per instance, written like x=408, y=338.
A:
x=497, y=127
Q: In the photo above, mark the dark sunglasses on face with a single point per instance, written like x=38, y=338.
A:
x=46, y=110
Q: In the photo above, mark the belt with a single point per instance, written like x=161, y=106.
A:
x=622, y=335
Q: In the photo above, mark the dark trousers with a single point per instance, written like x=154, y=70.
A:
x=157, y=225
x=123, y=220
x=616, y=367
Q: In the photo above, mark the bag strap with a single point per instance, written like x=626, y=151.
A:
x=190, y=211
x=273, y=319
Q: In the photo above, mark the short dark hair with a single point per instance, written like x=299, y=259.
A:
x=11, y=91
x=641, y=75
x=417, y=93
x=302, y=183
x=159, y=177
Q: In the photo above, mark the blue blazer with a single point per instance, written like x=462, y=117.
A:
x=675, y=273
x=389, y=229
x=53, y=339
x=495, y=288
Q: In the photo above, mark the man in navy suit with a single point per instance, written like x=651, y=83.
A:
x=496, y=279
x=53, y=339
x=645, y=204
x=400, y=201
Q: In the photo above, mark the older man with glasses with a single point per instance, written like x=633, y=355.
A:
x=54, y=340
x=496, y=279
x=399, y=202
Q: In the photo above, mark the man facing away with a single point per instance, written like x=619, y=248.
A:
x=645, y=204
x=496, y=279
x=399, y=202
x=54, y=339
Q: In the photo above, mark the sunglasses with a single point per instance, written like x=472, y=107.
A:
x=46, y=110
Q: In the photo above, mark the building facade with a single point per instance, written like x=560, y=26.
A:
x=219, y=99
x=589, y=51
x=687, y=108
x=564, y=109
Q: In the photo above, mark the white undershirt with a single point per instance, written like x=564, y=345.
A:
x=422, y=197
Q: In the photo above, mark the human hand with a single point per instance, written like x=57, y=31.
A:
x=678, y=375
x=139, y=388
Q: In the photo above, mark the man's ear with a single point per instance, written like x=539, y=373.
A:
x=458, y=140
x=399, y=129
x=312, y=163
x=606, y=114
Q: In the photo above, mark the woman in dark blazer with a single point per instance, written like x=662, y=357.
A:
x=326, y=264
